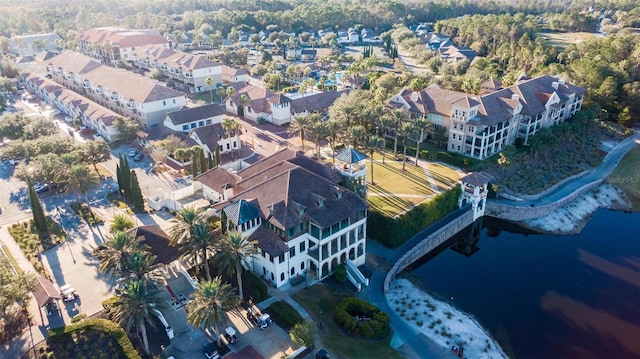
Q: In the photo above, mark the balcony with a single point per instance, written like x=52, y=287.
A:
x=314, y=253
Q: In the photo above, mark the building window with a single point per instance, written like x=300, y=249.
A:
x=264, y=254
x=174, y=101
x=209, y=122
x=302, y=266
x=164, y=103
x=221, y=148
x=228, y=146
x=458, y=148
x=235, y=145
x=272, y=277
x=193, y=125
x=282, y=276
x=302, y=246
x=270, y=258
x=201, y=123
x=281, y=258
x=293, y=270
x=292, y=252
x=264, y=270
x=185, y=127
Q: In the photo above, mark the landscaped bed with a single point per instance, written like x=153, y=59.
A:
x=88, y=214
x=94, y=338
x=31, y=244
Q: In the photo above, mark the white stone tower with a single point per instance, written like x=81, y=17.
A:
x=474, y=192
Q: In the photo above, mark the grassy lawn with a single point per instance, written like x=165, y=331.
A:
x=627, y=176
x=396, y=190
x=560, y=40
x=320, y=301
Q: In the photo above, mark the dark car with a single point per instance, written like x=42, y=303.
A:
x=138, y=157
x=322, y=354
x=210, y=351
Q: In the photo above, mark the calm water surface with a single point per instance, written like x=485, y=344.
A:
x=546, y=296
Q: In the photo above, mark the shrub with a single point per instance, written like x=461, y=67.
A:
x=254, y=286
x=341, y=273
x=78, y=318
x=88, y=214
x=284, y=315
x=100, y=325
x=302, y=334
x=376, y=324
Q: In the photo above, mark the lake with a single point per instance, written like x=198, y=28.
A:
x=547, y=296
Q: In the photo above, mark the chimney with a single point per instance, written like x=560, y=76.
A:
x=554, y=85
x=515, y=97
x=414, y=97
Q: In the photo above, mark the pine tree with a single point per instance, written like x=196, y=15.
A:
x=136, y=193
x=118, y=175
x=39, y=220
x=218, y=159
x=126, y=177
x=195, y=163
x=212, y=163
x=204, y=163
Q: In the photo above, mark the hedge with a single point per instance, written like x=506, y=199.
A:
x=393, y=232
x=376, y=324
x=113, y=329
x=254, y=286
x=284, y=315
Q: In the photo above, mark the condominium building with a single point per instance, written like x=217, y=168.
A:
x=183, y=71
x=479, y=126
x=111, y=44
x=129, y=94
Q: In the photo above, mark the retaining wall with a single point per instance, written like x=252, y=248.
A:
x=428, y=244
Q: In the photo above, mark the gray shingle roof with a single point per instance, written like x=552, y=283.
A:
x=350, y=155
x=187, y=115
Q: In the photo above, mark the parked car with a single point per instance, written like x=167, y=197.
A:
x=133, y=153
x=41, y=188
x=322, y=354
x=230, y=335
x=138, y=157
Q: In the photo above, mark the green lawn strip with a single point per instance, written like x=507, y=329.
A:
x=321, y=301
x=97, y=338
x=626, y=176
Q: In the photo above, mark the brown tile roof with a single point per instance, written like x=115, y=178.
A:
x=432, y=99
x=123, y=37
x=89, y=108
x=232, y=71
x=158, y=240
x=217, y=178
x=269, y=241
x=477, y=178
x=174, y=59
x=130, y=85
x=316, y=102
x=209, y=135
x=282, y=155
x=45, y=291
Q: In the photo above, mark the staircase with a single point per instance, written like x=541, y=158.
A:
x=355, y=276
x=177, y=319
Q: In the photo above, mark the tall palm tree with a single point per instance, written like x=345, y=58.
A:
x=81, y=180
x=421, y=125
x=244, y=101
x=405, y=131
x=115, y=252
x=210, y=300
x=355, y=135
x=398, y=117
x=135, y=307
x=184, y=222
x=318, y=130
x=384, y=121
x=141, y=264
x=121, y=223
x=371, y=143
x=199, y=244
x=231, y=127
x=334, y=129
x=299, y=125
x=209, y=82
x=233, y=251
x=222, y=92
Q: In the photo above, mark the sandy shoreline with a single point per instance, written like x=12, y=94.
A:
x=574, y=216
x=441, y=322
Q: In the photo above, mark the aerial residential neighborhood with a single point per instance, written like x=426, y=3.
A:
x=303, y=179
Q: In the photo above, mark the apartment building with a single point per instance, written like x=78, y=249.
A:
x=182, y=71
x=92, y=114
x=302, y=219
x=479, y=126
x=110, y=44
x=128, y=94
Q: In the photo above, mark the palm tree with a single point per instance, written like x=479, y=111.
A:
x=384, y=121
x=231, y=126
x=81, y=180
x=200, y=242
x=371, y=143
x=209, y=82
x=420, y=124
x=318, y=130
x=115, y=252
x=355, y=135
x=398, y=116
x=222, y=92
x=334, y=129
x=141, y=264
x=405, y=131
x=244, y=101
x=234, y=251
x=185, y=220
x=210, y=300
x=121, y=223
x=300, y=125
x=135, y=307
